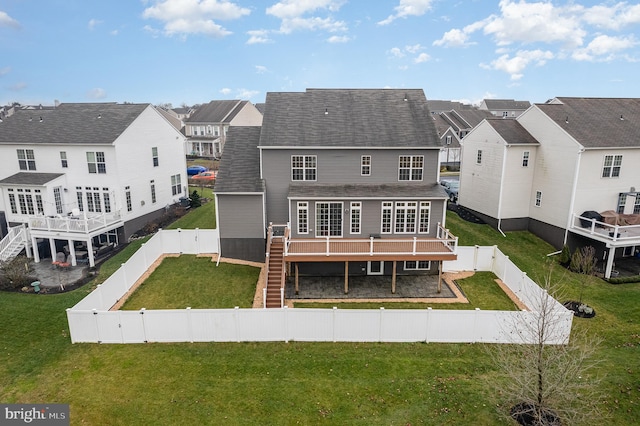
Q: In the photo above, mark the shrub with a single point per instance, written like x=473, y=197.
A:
x=16, y=273
x=195, y=199
x=565, y=255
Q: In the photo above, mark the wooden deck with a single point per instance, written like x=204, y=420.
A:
x=323, y=250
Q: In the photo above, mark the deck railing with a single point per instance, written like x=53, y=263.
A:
x=374, y=245
x=73, y=224
x=614, y=233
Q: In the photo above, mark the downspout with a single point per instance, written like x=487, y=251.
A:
x=504, y=166
x=215, y=197
x=573, y=195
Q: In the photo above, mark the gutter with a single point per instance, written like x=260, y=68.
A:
x=573, y=195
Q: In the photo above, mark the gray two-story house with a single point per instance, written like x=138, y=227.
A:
x=345, y=179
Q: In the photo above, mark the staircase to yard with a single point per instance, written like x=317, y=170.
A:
x=275, y=274
x=13, y=243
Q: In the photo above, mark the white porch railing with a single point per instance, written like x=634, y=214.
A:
x=13, y=242
x=604, y=231
x=73, y=224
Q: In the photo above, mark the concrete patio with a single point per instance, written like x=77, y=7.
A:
x=54, y=277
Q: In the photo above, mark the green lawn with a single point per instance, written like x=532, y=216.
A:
x=197, y=282
x=297, y=382
x=481, y=290
x=203, y=217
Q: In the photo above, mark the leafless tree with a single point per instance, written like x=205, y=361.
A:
x=545, y=383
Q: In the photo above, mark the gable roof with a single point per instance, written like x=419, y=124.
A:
x=73, y=123
x=240, y=165
x=217, y=112
x=373, y=118
x=512, y=131
x=506, y=104
x=596, y=122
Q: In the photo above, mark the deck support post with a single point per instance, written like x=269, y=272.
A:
x=440, y=276
x=297, y=288
x=393, y=278
x=610, y=257
x=346, y=277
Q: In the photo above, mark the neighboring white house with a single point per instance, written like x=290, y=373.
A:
x=82, y=175
x=207, y=127
x=553, y=163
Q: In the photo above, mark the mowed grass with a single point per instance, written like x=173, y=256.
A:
x=196, y=282
x=203, y=217
x=481, y=291
x=296, y=382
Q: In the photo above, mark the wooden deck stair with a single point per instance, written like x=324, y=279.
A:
x=275, y=273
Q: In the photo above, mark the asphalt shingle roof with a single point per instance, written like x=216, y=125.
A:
x=389, y=190
x=596, y=122
x=240, y=164
x=348, y=118
x=217, y=112
x=82, y=123
x=512, y=131
x=30, y=178
x=506, y=104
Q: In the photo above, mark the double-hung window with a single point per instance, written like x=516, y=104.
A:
x=96, y=162
x=410, y=167
x=525, y=159
x=176, y=185
x=356, y=215
x=153, y=191
x=304, y=167
x=612, y=165
x=538, y=198
x=303, y=217
x=26, y=159
x=154, y=155
x=479, y=157
x=63, y=159
x=365, y=165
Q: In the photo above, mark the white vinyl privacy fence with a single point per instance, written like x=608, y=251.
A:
x=91, y=321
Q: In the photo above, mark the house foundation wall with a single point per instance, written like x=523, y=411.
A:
x=251, y=249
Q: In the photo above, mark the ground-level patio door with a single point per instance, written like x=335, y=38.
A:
x=375, y=267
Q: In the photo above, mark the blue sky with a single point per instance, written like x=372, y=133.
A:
x=194, y=51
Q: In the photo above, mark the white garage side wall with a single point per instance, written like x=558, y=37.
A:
x=248, y=116
x=555, y=168
x=134, y=166
x=516, y=185
x=90, y=320
x=599, y=194
x=480, y=183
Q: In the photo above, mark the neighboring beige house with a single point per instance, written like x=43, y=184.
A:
x=206, y=129
x=556, y=161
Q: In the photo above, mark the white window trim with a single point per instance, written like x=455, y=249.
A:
x=329, y=224
x=479, y=157
x=411, y=168
x=526, y=157
x=303, y=206
x=355, y=206
x=612, y=166
x=363, y=165
x=304, y=168
x=407, y=207
x=538, y=199
x=388, y=206
x=417, y=267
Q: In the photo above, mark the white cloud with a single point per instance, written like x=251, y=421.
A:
x=423, y=57
x=225, y=91
x=514, y=66
x=93, y=23
x=97, y=93
x=612, y=17
x=258, y=37
x=261, y=69
x=8, y=21
x=413, y=49
x=114, y=32
x=293, y=15
x=246, y=93
x=183, y=17
x=453, y=38
x=338, y=39
x=5, y=71
x=397, y=52
x=408, y=8
x=604, y=48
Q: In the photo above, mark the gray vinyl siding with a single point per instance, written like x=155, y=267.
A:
x=371, y=219
x=240, y=216
x=336, y=166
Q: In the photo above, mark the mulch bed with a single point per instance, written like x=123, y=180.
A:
x=574, y=306
x=464, y=213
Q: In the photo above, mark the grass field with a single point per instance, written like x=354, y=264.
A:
x=301, y=383
x=203, y=217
